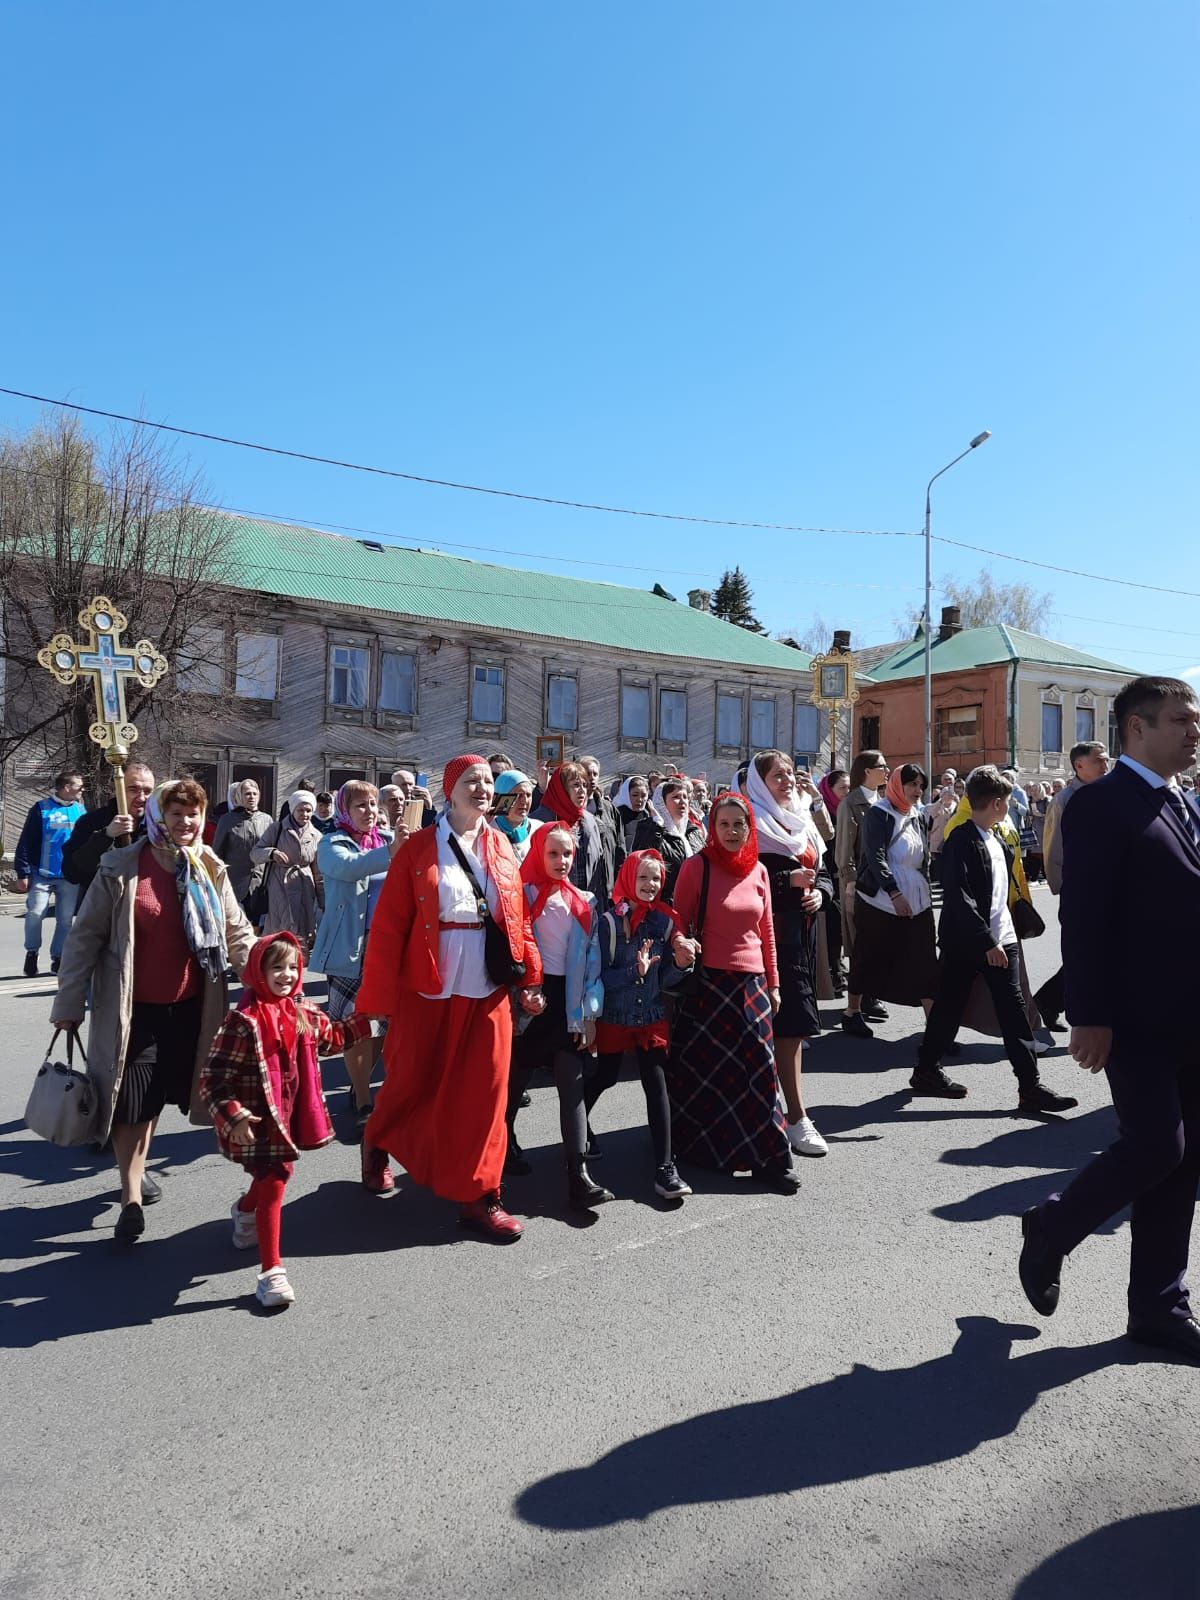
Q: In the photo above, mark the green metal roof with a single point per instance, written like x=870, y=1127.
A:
x=306, y=564
x=984, y=647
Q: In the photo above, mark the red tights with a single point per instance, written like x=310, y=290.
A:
x=265, y=1198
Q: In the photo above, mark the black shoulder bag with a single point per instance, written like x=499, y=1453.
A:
x=497, y=952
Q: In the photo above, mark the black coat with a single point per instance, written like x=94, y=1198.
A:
x=88, y=842
x=612, y=838
x=587, y=869
x=651, y=835
x=875, y=833
x=965, y=931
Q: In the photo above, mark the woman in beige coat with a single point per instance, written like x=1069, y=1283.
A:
x=289, y=851
x=153, y=937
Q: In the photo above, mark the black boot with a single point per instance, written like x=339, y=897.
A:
x=582, y=1193
x=516, y=1162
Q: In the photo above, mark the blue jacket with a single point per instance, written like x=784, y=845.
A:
x=47, y=828
x=585, y=992
x=628, y=1003
x=342, y=936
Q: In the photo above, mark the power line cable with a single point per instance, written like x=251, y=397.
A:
x=449, y=483
x=1071, y=572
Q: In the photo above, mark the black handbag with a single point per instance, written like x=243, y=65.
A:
x=1026, y=919
x=497, y=952
x=259, y=899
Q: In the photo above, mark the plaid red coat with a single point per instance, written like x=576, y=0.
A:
x=235, y=1084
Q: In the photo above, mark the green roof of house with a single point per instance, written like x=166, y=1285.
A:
x=364, y=575
x=984, y=647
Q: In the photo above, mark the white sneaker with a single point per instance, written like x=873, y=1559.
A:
x=804, y=1138
x=245, y=1229
x=274, y=1289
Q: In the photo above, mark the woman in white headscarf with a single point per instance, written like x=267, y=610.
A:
x=669, y=828
x=288, y=849
x=238, y=831
x=792, y=850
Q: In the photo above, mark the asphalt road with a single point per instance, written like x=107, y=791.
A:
x=841, y=1394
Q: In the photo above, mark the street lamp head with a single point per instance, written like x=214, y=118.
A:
x=980, y=438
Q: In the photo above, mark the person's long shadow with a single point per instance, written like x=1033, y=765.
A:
x=47, y=1164
x=869, y=1421
x=1155, y=1554
x=1059, y=1146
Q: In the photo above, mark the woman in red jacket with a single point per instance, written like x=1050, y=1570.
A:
x=441, y=1109
x=721, y=1075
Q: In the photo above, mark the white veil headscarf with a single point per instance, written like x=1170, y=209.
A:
x=669, y=823
x=782, y=830
x=622, y=799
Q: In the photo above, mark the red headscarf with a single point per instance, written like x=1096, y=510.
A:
x=746, y=859
x=894, y=793
x=276, y=1017
x=557, y=800
x=535, y=871
x=625, y=895
x=830, y=795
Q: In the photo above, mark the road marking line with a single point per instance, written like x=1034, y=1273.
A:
x=628, y=1246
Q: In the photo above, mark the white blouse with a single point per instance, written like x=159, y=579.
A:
x=905, y=854
x=460, y=952
x=553, y=931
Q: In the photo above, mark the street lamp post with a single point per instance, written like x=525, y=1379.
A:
x=980, y=438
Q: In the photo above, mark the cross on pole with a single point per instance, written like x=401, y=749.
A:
x=108, y=663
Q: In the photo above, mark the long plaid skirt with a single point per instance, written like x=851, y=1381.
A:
x=721, y=1080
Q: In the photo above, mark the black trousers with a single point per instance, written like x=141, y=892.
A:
x=651, y=1064
x=1155, y=1164
x=954, y=989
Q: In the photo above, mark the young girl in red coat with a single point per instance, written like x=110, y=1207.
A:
x=262, y=1085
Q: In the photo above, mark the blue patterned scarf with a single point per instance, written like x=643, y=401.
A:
x=203, y=914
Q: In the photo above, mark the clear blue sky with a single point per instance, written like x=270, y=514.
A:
x=774, y=261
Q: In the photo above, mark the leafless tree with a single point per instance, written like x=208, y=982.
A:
x=814, y=638
x=984, y=601
x=80, y=517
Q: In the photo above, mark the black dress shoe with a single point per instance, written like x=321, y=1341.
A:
x=131, y=1224
x=933, y=1084
x=516, y=1163
x=582, y=1192
x=30, y=968
x=1179, y=1335
x=780, y=1180
x=873, y=1011
x=854, y=1023
x=151, y=1190
x=1054, y=1023
x=1038, y=1098
x=1040, y=1270
x=525, y=1100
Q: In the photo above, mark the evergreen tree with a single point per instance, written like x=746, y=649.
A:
x=734, y=601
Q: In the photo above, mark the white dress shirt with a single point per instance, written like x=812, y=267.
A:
x=460, y=952
x=553, y=931
x=999, y=919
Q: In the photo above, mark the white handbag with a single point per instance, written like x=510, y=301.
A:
x=63, y=1103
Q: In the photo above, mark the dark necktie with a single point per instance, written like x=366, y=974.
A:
x=1184, y=812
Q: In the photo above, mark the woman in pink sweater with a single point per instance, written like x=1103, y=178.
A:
x=724, y=1093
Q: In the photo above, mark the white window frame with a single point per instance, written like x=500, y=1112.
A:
x=487, y=666
x=664, y=738
x=558, y=675
x=350, y=668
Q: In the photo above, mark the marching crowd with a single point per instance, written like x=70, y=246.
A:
x=552, y=923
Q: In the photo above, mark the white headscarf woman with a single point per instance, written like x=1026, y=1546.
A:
x=782, y=830
x=623, y=799
x=670, y=822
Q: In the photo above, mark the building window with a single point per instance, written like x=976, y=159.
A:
x=1114, y=735
x=672, y=715
x=806, y=731
x=340, y=775
x=958, y=729
x=349, y=666
x=562, y=703
x=635, y=711
x=762, y=724
x=398, y=683
x=200, y=667
x=868, y=733
x=1085, y=725
x=257, y=666
x=487, y=695
x=1051, y=727
x=731, y=709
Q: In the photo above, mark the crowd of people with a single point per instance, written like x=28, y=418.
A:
x=550, y=923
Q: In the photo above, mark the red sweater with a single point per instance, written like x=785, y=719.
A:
x=738, y=935
x=164, y=968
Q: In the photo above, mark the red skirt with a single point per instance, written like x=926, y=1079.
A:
x=614, y=1038
x=440, y=1110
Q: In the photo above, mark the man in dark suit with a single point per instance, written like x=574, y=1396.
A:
x=1130, y=905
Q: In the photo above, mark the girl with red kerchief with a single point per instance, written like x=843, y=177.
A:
x=441, y=1109
x=721, y=1076
x=262, y=1086
x=564, y=922
x=636, y=966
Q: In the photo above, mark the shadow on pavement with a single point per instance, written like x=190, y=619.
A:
x=1151, y=1555
x=868, y=1421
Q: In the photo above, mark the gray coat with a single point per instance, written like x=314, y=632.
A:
x=237, y=833
x=100, y=951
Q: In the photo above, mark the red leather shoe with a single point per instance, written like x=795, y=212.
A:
x=486, y=1215
x=376, y=1170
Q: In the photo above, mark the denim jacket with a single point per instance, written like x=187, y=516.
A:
x=628, y=1003
x=585, y=992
